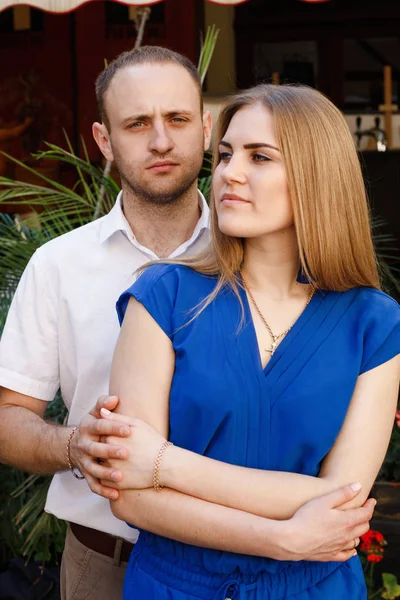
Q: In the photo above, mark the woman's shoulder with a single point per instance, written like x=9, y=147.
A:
x=367, y=310
x=172, y=275
x=377, y=321
x=375, y=304
x=162, y=287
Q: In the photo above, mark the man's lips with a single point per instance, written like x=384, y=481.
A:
x=162, y=166
x=233, y=199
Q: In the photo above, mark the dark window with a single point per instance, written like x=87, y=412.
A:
x=6, y=21
x=364, y=60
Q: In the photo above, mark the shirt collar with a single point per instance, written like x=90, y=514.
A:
x=116, y=221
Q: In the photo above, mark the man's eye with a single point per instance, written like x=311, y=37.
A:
x=135, y=125
x=178, y=120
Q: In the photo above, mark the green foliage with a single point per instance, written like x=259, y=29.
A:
x=43, y=534
x=207, y=50
x=392, y=588
x=10, y=539
x=388, y=258
x=204, y=183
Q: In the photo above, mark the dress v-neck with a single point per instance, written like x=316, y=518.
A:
x=287, y=340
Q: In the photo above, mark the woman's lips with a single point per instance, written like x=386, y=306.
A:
x=233, y=199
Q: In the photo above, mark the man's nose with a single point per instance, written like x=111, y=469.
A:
x=160, y=140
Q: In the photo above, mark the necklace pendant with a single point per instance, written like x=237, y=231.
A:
x=272, y=349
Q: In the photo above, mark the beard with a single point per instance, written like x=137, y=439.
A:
x=165, y=189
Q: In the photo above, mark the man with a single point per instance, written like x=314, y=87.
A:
x=62, y=326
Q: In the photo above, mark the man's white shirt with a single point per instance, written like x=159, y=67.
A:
x=61, y=331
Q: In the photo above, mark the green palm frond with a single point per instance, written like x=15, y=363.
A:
x=38, y=529
x=388, y=257
x=205, y=186
x=207, y=50
x=56, y=209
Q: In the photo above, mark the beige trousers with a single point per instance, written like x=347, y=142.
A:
x=88, y=575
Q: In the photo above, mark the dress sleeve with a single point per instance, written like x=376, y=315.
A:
x=156, y=289
x=382, y=335
x=29, y=358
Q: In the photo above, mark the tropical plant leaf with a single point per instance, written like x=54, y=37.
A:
x=392, y=588
x=207, y=50
x=205, y=186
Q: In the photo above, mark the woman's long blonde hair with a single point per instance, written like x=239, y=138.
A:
x=331, y=215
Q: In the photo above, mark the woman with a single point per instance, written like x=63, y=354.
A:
x=271, y=362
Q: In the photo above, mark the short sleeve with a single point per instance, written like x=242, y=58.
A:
x=156, y=289
x=382, y=333
x=29, y=344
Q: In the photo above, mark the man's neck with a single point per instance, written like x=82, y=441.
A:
x=162, y=228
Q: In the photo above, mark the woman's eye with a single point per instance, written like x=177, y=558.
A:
x=261, y=158
x=223, y=156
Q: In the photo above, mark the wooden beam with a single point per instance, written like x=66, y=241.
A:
x=388, y=108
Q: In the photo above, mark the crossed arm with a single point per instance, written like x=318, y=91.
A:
x=143, y=386
x=356, y=456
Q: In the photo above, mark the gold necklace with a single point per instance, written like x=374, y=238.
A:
x=274, y=337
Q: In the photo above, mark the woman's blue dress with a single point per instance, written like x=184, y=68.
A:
x=285, y=417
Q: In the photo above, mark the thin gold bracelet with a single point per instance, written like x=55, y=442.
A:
x=157, y=463
x=68, y=453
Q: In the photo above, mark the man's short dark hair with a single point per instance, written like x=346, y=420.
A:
x=140, y=56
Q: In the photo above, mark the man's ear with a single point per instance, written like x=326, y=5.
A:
x=102, y=138
x=207, y=128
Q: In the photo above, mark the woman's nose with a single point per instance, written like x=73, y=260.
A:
x=234, y=170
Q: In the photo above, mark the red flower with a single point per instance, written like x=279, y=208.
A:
x=375, y=558
x=372, y=544
x=372, y=537
x=398, y=418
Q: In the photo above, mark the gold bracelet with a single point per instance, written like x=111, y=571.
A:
x=68, y=452
x=157, y=463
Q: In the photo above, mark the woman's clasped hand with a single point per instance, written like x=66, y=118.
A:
x=143, y=446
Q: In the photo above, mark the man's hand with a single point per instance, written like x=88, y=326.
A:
x=88, y=451
x=321, y=531
x=142, y=447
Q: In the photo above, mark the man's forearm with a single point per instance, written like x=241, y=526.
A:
x=197, y=522
x=30, y=443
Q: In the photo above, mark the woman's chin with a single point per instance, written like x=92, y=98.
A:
x=234, y=227
x=242, y=228
x=239, y=230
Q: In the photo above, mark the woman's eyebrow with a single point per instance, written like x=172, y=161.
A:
x=252, y=146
